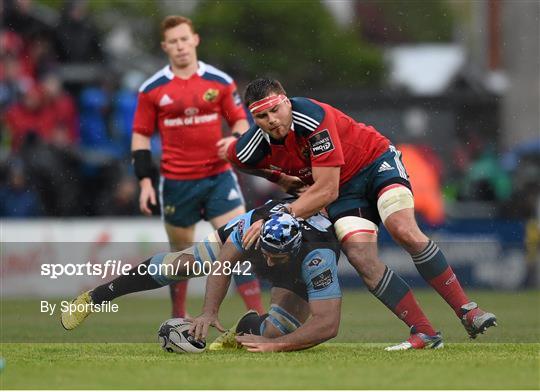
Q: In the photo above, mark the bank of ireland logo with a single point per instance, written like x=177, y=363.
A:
x=210, y=95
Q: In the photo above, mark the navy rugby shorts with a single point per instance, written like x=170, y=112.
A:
x=186, y=202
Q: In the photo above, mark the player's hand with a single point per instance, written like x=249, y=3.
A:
x=223, y=146
x=291, y=184
x=148, y=194
x=200, y=324
x=251, y=236
x=259, y=344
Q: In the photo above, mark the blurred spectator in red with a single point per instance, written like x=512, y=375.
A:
x=29, y=118
x=424, y=170
x=39, y=57
x=11, y=43
x=13, y=83
x=62, y=107
x=36, y=55
x=77, y=38
x=46, y=112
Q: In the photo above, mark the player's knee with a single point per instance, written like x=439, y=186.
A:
x=365, y=264
x=393, y=199
x=403, y=234
x=406, y=232
x=158, y=268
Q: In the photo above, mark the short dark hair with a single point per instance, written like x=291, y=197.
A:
x=261, y=88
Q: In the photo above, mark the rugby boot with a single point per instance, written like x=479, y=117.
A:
x=418, y=341
x=71, y=320
x=227, y=340
x=475, y=320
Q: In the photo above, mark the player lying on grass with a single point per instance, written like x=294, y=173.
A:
x=298, y=257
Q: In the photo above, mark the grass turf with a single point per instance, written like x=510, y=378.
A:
x=113, y=351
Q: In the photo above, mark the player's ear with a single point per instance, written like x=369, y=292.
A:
x=163, y=46
x=197, y=39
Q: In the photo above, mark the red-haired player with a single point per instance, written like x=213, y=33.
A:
x=186, y=102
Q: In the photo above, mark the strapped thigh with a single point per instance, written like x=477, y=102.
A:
x=393, y=198
x=348, y=226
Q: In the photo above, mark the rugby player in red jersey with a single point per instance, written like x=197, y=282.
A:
x=354, y=172
x=186, y=102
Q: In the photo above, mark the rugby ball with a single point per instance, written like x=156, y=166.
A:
x=174, y=337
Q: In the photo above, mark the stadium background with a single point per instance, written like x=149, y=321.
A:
x=454, y=83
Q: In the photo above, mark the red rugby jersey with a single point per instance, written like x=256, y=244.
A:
x=321, y=136
x=188, y=114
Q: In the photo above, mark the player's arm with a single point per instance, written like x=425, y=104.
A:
x=325, y=190
x=289, y=184
x=319, y=272
x=248, y=159
x=234, y=112
x=143, y=128
x=326, y=160
x=320, y=327
x=239, y=128
x=217, y=285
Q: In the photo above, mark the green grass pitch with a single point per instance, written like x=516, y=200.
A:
x=118, y=351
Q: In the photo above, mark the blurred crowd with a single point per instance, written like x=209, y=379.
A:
x=65, y=147
x=65, y=152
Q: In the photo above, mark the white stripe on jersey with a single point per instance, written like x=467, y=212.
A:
x=213, y=70
x=165, y=71
x=399, y=165
x=250, y=148
x=305, y=125
x=307, y=119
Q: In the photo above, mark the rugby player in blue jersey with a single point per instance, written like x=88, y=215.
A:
x=299, y=258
